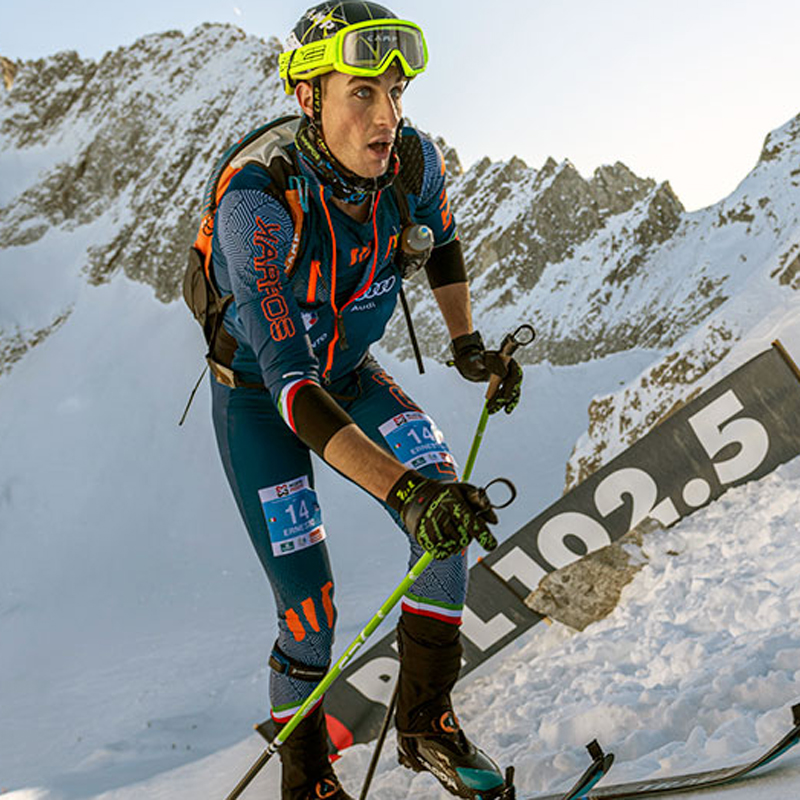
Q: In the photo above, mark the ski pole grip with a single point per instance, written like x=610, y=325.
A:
x=522, y=336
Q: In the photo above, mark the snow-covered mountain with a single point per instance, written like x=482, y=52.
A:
x=613, y=263
x=115, y=153
x=747, y=248
x=134, y=620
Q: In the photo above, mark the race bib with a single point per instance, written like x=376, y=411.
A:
x=415, y=440
x=293, y=516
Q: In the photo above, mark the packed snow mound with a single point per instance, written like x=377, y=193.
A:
x=696, y=669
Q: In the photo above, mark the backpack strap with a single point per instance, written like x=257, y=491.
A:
x=409, y=165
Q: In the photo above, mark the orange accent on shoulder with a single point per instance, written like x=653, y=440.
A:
x=447, y=217
x=298, y=215
x=335, y=337
x=391, y=246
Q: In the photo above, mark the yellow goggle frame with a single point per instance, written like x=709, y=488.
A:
x=334, y=54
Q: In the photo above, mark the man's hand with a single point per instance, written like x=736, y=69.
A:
x=475, y=363
x=443, y=517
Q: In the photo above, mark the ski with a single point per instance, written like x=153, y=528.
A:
x=689, y=781
x=601, y=764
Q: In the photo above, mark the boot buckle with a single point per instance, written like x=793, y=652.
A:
x=326, y=788
x=448, y=722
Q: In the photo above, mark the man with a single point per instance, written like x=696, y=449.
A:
x=305, y=310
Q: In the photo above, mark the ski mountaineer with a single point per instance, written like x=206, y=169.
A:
x=304, y=334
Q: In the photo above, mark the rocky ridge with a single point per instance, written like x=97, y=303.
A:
x=131, y=138
x=523, y=230
x=755, y=235
x=124, y=144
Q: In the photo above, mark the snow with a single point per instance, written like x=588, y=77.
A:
x=139, y=622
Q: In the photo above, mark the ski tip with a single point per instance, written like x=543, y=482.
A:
x=595, y=751
x=510, y=793
x=796, y=713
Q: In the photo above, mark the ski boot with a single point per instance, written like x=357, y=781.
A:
x=307, y=773
x=429, y=738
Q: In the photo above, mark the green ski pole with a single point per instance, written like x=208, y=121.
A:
x=333, y=674
x=362, y=637
x=522, y=336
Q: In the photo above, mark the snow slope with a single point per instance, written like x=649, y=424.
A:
x=135, y=623
x=133, y=614
x=695, y=669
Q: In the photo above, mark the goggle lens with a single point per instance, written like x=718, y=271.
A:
x=368, y=48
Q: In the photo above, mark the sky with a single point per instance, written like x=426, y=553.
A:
x=683, y=91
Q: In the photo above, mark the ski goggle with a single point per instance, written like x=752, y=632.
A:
x=365, y=49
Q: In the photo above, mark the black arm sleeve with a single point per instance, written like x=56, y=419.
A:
x=317, y=417
x=446, y=265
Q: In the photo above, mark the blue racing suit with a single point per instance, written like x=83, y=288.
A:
x=316, y=325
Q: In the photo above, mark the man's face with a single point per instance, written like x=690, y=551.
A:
x=360, y=118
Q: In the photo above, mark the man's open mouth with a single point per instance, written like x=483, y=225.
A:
x=381, y=149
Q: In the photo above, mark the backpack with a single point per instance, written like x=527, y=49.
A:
x=200, y=292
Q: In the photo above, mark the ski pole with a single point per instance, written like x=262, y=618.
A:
x=333, y=674
x=510, y=343
x=522, y=336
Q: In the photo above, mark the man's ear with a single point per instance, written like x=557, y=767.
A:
x=305, y=98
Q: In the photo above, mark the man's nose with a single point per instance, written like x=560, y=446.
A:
x=388, y=113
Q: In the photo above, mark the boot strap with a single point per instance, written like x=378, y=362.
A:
x=284, y=665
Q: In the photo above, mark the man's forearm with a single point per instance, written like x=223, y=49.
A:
x=454, y=303
x=355, y=455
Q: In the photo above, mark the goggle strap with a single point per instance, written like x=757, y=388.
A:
x=316, y=85
x=290, y=82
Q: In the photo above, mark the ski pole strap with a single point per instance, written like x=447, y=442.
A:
x=511, y=488
x=522, y=336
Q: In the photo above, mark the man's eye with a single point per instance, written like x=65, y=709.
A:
x=363, y=92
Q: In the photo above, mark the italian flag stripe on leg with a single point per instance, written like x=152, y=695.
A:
x=444, y=612
x=282, y=714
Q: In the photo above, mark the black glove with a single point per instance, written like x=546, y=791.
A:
x=443, y=517
x=475, y=363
